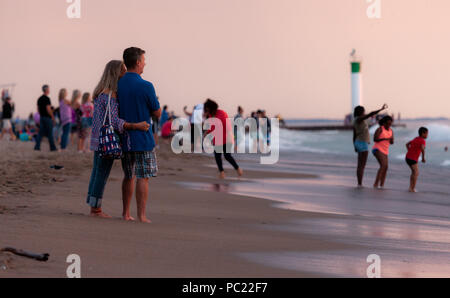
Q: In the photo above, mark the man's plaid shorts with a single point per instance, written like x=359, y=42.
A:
x=139, y=164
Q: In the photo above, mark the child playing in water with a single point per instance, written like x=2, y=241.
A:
x=361, y=138
x=415, y=148
x=384, y=137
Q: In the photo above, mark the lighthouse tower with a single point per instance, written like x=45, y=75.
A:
x=356, y=80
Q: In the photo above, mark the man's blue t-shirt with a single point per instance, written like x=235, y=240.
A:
x=137, y=101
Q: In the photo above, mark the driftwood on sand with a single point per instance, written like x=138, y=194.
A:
x=22, y=253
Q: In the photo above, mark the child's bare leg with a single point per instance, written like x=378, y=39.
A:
x=381, y=175
x=378, y=177
x=362, y=160
x=414, y=176
x=385, y=169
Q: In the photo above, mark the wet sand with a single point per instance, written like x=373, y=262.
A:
x=308, y=226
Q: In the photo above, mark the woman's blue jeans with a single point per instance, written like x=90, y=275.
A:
x=99, y=177
x=65, y=135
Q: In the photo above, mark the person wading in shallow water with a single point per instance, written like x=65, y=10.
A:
x=361, y=138
x=384, y=138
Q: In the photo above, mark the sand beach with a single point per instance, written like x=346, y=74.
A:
x=206, y=227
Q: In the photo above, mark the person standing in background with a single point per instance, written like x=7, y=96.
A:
x=76, y=116
x=196, y=120
x=164, y=117
x=47, y=119
x=266, y=129
x=239, y=115
x=57, y=126
x=65, y=114
x=87, y=110
x=7, y=113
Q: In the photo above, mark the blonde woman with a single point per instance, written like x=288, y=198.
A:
x=102, y=167
x=76, y=115
x=65, y=112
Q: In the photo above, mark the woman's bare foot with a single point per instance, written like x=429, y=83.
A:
x=240, y=172
x=97, y=212
x=145, y=220
x=222, y=175
x=128, y=218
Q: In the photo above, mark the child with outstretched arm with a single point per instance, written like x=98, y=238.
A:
x=416, y=148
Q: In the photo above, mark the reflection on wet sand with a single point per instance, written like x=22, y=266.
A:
x=410, y=233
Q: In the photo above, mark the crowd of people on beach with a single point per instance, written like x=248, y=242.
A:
x=69, y=123
x=122, y=115
x=122, y=119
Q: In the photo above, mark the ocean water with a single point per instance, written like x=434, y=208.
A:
x=340, y=142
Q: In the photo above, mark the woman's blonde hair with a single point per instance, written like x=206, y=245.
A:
x=76, y=94
x=110, y=77
x=85, y=97
x=62, y=94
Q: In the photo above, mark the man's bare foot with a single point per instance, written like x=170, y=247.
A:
x=145, y=220
x=97, y=212
x=128, y=218
x=222, y=175
x=413, y=190
x=240, y=172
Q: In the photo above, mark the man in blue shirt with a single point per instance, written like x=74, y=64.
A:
x=137, y=101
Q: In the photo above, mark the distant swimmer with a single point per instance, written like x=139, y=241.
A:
x=446, y=149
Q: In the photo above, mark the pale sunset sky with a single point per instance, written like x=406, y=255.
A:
x=286, y=56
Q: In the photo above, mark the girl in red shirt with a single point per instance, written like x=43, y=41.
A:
x=415, y=148
x=211, y=109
